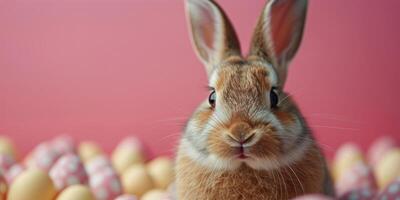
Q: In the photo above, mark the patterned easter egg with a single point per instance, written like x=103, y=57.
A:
x=43, y=157
x=98, y=164
x=64, y=144
x=105, y=184
x=359, y=175
x=68, y=170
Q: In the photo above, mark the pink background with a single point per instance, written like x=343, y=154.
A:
x=101, y=70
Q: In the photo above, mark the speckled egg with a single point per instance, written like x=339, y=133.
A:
x=346, y=155
x=64, y=144
x=136, y=180
x=88, y=150
x=68, y=170
x=161, y=170
x=359, y=194
x=7, y=147
x=359, y=175
x=128, y=152
x=98, y=164
x=32, y=184
x=388, y=168
x=105, y=184
x=76, y=192
x=43, y=157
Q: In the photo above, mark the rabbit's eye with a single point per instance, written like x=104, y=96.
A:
x=273, y=96
x=212, y=98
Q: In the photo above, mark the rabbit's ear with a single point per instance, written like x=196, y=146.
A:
x=278, y=33
x=212, y=33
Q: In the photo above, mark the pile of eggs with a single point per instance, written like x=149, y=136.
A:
x=61, y=169
x=374, y=175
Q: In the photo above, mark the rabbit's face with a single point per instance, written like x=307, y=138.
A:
x=246, y=118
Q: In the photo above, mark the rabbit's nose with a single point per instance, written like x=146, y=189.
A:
x=241, y=132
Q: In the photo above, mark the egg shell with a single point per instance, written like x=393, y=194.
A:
x=32, y=184
x=391, y=192
x=105, y=184
x=7, y=147
x=313, y=197
x=155, y=194
x=64, y=144
x=136, y=180
x=126, y=197
x=359, y=175
x=6, y=161
x=161, y=171
x=43, y=157
x=380, y=147
x=68, y=170
x=346, y=155
x=88, y=150
x=3, y=188
x=76, y=192
x=98, y=164
x=127, y=153
x=13, y=172
x=359, y=194
x=388, y=168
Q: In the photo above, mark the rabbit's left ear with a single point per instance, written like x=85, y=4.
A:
x=278, y=33
x=212, y=33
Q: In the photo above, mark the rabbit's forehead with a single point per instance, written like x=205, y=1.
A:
x=243, y=76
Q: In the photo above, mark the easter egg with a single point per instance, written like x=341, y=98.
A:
x=136, y=180
x=13, y=172
x=346, y=155
x=43, y=157
x=359, y=175
x=64, y=144
x=161, y=171
x=98, y=164
x=127, y=153
x=126, y=197
x=379, y=148
x=388, y=168
x=32, y=184
x=359, y=194
x=313, y=197
x=105, y=184
x=7, y=147
x=68, y=170
x=155, y=194
x=76, y=192
x=88, y=150
x=3, y=188
x=391, y=192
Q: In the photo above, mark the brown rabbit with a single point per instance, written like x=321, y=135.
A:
x=248, y=140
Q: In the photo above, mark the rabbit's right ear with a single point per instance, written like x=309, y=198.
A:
x=212, y=33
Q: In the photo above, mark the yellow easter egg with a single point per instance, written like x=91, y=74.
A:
x=122, y=158
x=32, y=184
x=347, y=155
x=161, y=171
x=136, y=180
x=7, y=147
x=388, y=168
x=88, y=150
x=76, y=192
x=156, y=194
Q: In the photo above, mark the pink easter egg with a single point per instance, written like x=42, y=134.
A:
x=359, y=175
x=6, y=161
x=68, y=170
x=391, y=192
x=13, y=172
x=126, y=197
x=64, y=144
x=313, y=197
x=359, y=194
x=44, y=156
x=379, y=148
x=98, y=164
x=105, y=185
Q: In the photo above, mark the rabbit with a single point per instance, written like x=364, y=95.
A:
x=248, y=139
